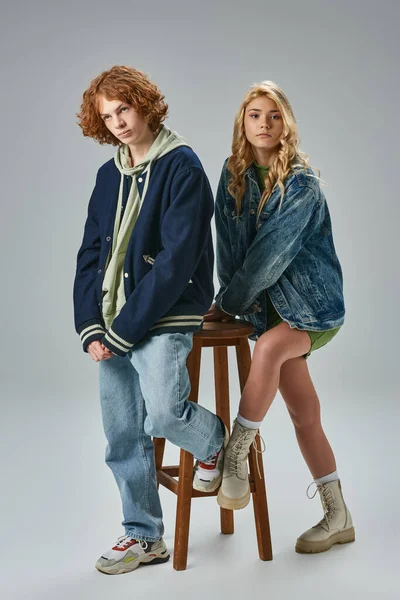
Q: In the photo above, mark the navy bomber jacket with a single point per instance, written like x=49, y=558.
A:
x=168, y=269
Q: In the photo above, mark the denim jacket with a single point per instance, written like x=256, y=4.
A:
x=287, y=252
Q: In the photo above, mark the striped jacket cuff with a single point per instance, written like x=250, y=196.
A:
x=90, y=332
x=178, y=321
x=116, y=344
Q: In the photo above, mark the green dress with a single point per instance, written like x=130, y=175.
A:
x=318, y=338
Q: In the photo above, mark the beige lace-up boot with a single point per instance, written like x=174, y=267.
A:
x=234, y=492
x=336, y=527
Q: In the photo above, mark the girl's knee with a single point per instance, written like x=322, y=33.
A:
x=269, y=348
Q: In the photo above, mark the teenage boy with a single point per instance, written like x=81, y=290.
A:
x=144, y=280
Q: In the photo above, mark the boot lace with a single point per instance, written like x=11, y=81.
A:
x=240, y=451
x=259, y=452
x=327, y=501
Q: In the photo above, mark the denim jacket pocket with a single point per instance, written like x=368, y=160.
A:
x=230, y=210
x=263, y=216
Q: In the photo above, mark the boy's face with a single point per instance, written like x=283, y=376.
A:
x=123, y=121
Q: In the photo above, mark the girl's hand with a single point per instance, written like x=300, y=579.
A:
x=216, y=314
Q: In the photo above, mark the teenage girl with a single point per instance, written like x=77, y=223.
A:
x=278, y=269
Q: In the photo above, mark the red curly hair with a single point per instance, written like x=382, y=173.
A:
x=130, y=86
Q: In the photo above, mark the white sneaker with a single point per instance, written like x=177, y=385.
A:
x=234, y=492
x=128, y=553
x=208, y=474
x=336, y=527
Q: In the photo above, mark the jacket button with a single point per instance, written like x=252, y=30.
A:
x=140, y=179
x=252, y=212
x=126, y=275
x=108, y=238
x=99, y=271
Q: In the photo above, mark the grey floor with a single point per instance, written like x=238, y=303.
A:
x=60, y=509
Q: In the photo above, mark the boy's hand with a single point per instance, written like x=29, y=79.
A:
x=98, y=351
x=216, y=314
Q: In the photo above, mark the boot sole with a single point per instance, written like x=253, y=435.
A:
x=342, y=537
x=233, y=503
x=121, y=567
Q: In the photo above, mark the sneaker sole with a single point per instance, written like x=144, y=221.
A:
x=233, y=503
x=197, y=485
x=121, y=567
x=342, y=537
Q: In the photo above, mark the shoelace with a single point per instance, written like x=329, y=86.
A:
x=238, y=448
x=258, y=452
x=123, y=540
x=327, y=500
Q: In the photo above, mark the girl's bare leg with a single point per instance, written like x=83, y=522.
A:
x=302, y=402
x=271, y=351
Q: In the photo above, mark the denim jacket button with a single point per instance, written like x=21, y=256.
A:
x=252, y=212
x=108, y=239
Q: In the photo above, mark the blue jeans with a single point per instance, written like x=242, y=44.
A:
x=145, y=394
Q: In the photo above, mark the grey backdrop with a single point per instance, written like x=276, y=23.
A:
x=338, y=63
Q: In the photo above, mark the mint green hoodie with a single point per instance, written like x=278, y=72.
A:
x=113, y=283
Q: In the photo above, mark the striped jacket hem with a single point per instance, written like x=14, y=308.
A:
x=171, y=324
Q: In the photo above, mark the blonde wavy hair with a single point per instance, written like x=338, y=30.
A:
x=288, y=156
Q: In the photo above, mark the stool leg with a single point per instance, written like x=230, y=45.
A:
x=159, y=446
x=259, y=494
x=183, y=510
x=185, y=480
x=221, y=380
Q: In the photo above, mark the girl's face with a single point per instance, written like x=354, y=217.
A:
x=263, y=123
x=123, y=121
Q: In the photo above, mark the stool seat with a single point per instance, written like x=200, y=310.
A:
x=179, y=478
x=231, y=329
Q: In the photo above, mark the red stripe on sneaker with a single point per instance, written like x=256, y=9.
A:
x=125, y=546
x=208, y=467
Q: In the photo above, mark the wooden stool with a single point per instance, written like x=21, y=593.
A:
x=219, y=336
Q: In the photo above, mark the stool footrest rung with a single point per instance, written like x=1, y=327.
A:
x=167, y=481
x=166, y=477
x=173, y=470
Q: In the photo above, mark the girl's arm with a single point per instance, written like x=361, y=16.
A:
x=225, y=267
x=276, y=244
